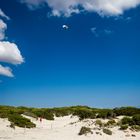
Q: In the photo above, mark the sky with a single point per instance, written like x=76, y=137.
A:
x=95, y=62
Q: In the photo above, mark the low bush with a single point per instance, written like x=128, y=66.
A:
x=124, y=127
x=99, y=123
x=107, y=131
x=44, y=113
x=84, y=114
x=135, y=127
x=111, y=123
x=85, y=130
x=136, y=119
x=105, y=113
x=127, y=120
x=20, y=121
x=12, y=125
x=126, y=111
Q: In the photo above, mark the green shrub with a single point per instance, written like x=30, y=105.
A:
x=136, y=119
x=12, y=125
x=127, y=111
x=123, y=127
x=84, y=114
x=135, y=127
x=44, y=113
x=107, y=131
x=111, y=123
x=99, y=122
x=4, y=115
x=20, y=121
x=127, y=120
x=105, y=113
x=84, y=130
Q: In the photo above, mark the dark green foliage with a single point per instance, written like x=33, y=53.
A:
x=111, y=122
x=135, y=127
x=107, y=131
x=136, y=119
x=20, y=121
x=84, y=114
x=44, y=113
x=105, y=113
x=126, y=111
x=84, y=130
x=127, y=120
x=123, y=127
x=12, y=125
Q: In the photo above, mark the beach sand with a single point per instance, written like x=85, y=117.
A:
x=62, y=128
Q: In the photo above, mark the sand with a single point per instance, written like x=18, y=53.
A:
x=62, y=128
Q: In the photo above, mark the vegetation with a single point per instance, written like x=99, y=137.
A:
x=85, y=130
x=136, y=119
x=99, y=123
x=20, y=121
x=124, y=127
x=126, y=111
x=135, y=128
x=83, y=112
x=127, y=120
x=107, y=131
x=111, y=123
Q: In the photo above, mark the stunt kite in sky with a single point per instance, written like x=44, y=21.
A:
x=66, y=27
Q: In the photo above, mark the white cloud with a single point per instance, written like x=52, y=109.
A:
x=2, y=14
x=94, y=31
x=33, y=4
x=10, y=53
x=98, y=32
x=6, y=71
x=3, y=27
x=68, y=7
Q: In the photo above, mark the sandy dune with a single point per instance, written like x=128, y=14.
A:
x=62, y=128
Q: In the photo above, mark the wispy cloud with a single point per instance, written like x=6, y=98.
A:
x=3, y=27
x=94, y=31
x=107, y=31
x=98, y=32
x=2, y=14
x=68, y=7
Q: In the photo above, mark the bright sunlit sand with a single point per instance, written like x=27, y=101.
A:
x=62, y=128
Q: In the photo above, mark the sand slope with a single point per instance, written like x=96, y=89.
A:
x=62, y=128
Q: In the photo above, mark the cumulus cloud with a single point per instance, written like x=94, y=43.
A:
x=10, y=53
x=68, y=7
x=3, y=27
x=6, y=71
x=2, y=14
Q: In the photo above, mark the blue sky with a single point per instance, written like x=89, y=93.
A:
x=95, y=62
